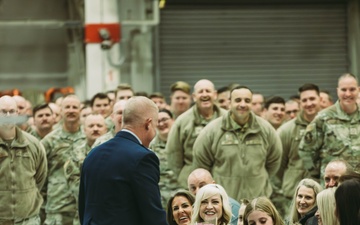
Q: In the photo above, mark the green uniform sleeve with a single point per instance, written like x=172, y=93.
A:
x=175, y=149
x=286, y=145
x=309, y=148
x=274, y=154
x=203, y=157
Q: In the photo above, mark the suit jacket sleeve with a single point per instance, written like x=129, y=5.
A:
x=145, y=185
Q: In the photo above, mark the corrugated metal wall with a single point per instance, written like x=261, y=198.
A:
x=273, y=49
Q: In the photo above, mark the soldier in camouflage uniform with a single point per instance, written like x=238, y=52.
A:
x=188, y=126
x=94, y=127
x=334, y=133
x=167, y=184
x=116, y=117
x=43, y=121
x=101, y=103
x=241, y=150
x=23, y=170
x=21, y=104
x=292, y=170
x=59, y=145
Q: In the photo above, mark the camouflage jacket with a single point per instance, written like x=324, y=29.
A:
x=291, y=170
x=242, y=159
x=167, y=176
x=23, y=170
x=60, y=147
x=332, y=134
x=181, y=140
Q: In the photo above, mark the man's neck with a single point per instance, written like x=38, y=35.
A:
x=350, y=109
x=71, y=127
x=7, y=134
x=43, y=132
x=308, y=118
x=206, y=113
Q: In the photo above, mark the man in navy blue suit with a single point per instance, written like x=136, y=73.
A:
x=119, y=179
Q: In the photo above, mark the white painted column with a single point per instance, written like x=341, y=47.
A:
x=100, y=75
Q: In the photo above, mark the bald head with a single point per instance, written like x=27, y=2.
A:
x=199, y=178
x=56, y=111
x=141, y=117
x=333, y=171
x=204, y=83
x=117, y=114
x=137, y=110
x=21, y=104
x=8, y=107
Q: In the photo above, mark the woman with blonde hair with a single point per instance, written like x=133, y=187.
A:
x=262, y=211
x=303, y=206
x=326, y=207
x=211, y=206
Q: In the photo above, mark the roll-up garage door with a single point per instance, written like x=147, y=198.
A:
x=273, y=49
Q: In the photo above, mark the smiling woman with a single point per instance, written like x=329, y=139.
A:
x=212, y=204
x=304, y=205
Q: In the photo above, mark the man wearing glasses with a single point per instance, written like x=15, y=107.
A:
x=23, y=169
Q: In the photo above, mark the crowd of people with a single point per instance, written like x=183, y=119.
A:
x=212, y=156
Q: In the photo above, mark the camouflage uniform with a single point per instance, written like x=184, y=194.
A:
x=241, y=159
x=23, y=170
x=332, y=134
x=72, y=173
x=181, y=140
x=35, y=134
x=109, y=123
x=167, y=184
x=291, y=170
x=59, y=146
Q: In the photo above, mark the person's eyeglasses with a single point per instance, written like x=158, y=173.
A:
x=163, y=120
x=7, y=112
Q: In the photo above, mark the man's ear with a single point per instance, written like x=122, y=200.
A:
x=147, y=123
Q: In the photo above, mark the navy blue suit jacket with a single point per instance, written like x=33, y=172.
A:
x=119, y=184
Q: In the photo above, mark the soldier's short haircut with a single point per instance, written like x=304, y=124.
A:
x=345, y=75
x=40, y=107
x=295, y=97
x=124, y=86
x=240, y=87
x=99, y=95
x=348, y=167
x=328, y=94
x=156, y=95
x=167, y=112
x=273, y=100
x=180, y=86
x=309, y=87
x=223, y=89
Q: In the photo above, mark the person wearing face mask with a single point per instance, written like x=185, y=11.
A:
x=262, y=211
x=168, y=183
x=326, y=207
x=211, y=206
x=179, y=208
x=303, y=207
